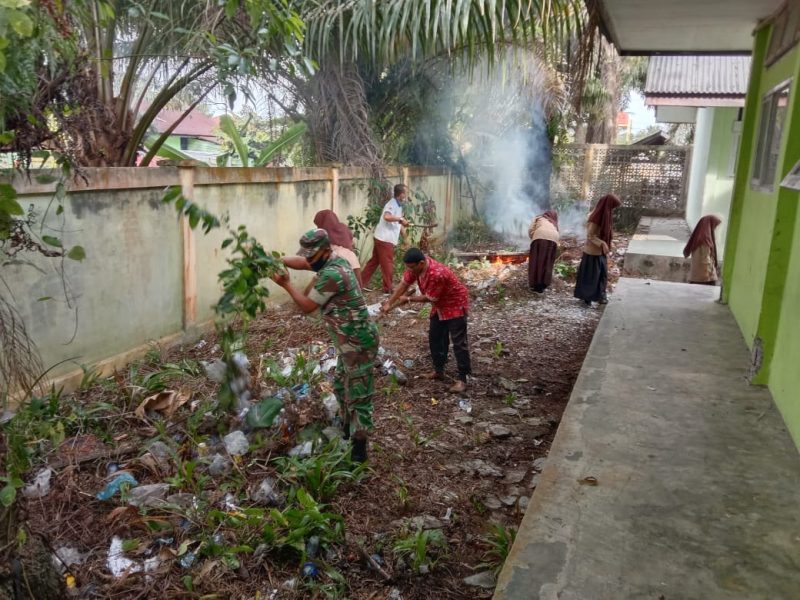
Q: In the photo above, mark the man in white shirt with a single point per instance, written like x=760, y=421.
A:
x=387, y=234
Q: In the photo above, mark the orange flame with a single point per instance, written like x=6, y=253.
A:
x=507, y=259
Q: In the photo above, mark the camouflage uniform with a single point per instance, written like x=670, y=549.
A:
x=344, y=311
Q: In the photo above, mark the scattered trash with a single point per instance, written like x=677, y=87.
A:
x=424, y=569
x=67, y=556
x=588, y=481
x=215, y=370
x=187, y=560
x=220, y=466
x=310, y=570
x=331, y=404
x=332, y=433
x=389, y=368
x=539, y=463
x=182, y=500
x=374, y=309
x=148, y=495
x=395, y=594
x=484, y=580
x=112, y=468
x=40, y=486
x=236, y=443
x=312, y=546
x=377, y=559
x=327, y=365
x=408, y=363
x=117, y=562
x=200, y=345
x=115, y=484
x=263, y=414
x=166, y=402
x=448, y=514
x=465, y=405
x=302, y=450
x=301, y=391
x=267, y=494
x=230, y=502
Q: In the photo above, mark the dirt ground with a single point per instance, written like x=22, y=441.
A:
x=459, y=464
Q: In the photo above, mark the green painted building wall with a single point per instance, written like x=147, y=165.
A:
x=762, y=280
x=718, y=187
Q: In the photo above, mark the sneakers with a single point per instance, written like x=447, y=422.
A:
x=458, y=387
x=437, y=375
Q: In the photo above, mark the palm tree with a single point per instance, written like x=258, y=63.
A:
x=353, y=39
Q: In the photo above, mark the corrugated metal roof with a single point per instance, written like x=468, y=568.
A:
x=697, y=75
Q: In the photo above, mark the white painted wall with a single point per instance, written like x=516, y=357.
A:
x=697, y=171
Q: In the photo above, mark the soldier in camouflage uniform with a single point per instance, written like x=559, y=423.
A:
x=337, y=294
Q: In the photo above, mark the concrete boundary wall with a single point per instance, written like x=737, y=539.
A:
x=148, y=277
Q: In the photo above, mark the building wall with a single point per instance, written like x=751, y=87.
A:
x=762, y=282
x=718, y=187
x=132, y=287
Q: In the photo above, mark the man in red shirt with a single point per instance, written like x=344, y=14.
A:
x=450, y=305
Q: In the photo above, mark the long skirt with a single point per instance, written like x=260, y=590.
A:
x=592, y=278
x=540, y=264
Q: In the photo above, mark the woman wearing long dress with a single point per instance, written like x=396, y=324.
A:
x=543, y=232
x=702, y=247
x=593, y=270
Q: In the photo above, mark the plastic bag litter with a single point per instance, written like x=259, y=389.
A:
x=331, y=404
x=40, y=486
x=374, y=309
x=117, y=562
x=114, y=485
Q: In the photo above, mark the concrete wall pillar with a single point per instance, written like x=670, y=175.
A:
x=186, y=178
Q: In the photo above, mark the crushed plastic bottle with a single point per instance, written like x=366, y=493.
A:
x=465, y=405
x=187, y=560
x=312, y=546
x=331, y=404
x=310, y=570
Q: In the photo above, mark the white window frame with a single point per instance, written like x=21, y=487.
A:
x=767, y=140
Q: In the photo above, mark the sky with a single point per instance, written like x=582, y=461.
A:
x=642, y=116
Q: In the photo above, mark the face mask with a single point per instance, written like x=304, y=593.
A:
x=317, y=265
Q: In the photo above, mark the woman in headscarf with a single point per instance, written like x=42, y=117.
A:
x=702, y=247
x=593, y=270
x=543, y=232
x=340, y=236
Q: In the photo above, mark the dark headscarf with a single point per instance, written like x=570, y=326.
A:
x=703, y=235
x=551, y=216
x=338, y=232
x=602, y=217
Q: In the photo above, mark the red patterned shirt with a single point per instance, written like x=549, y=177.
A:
x=448, y=295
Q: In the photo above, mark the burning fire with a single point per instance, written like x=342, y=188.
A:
x=508, y=259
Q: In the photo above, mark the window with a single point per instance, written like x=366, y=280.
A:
x=773, y=116
x=184, y=143
x=785, y=31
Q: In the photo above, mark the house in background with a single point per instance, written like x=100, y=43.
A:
x=197, y=135
x=708, y=91
x=623, y=128
x=761, y=273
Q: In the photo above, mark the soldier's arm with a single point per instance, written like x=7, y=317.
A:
x=305, y=303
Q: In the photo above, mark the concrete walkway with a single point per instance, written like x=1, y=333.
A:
x=698, y=481
x=656, y=250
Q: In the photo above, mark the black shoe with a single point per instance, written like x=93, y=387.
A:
x=358, y=452
x=603, y=300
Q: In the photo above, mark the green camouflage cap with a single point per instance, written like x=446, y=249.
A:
x=312, y=242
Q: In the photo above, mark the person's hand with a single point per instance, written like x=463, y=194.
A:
x=405, y=299
x=386, y=307
x=604, y=248
x=403, y=222
x=282, y=279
